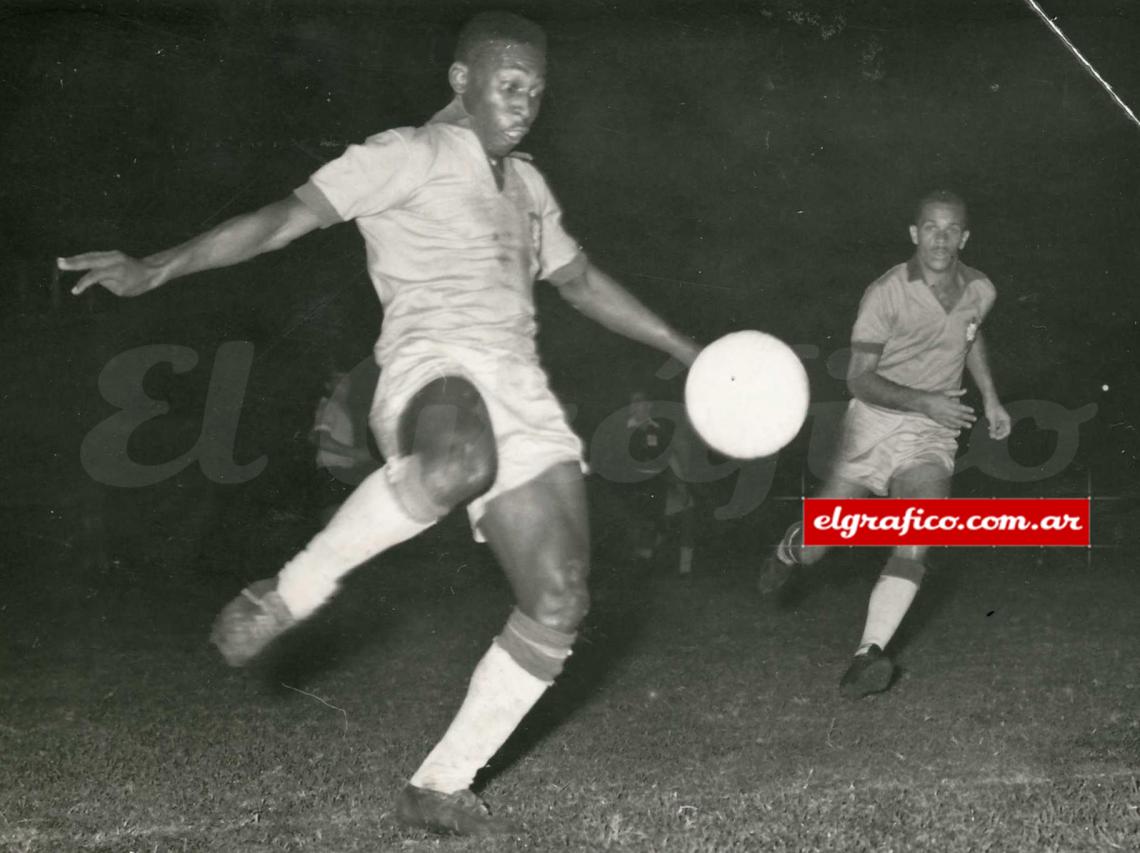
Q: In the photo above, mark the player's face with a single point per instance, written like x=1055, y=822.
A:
x=502, y=91
x=940, y=234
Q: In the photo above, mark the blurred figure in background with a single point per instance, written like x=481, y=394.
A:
x=340, y=432
x=664, y=509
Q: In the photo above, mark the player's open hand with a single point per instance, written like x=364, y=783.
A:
x=118, y=273
x=946, y=409
x=999, y=421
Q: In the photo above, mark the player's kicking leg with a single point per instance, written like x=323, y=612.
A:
x=448, y=458
x=871, y=669
x=791, y=552
x=540, y=535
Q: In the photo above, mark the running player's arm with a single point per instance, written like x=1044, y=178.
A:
x=235, y=240
x=865, y=383
x=875, y=325
x=602, y=299
x=978, y=363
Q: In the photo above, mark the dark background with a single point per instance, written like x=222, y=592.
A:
x=737, y=165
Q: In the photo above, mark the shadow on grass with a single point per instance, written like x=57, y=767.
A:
x=615, y=623
x=939, y=589
x=371, y=608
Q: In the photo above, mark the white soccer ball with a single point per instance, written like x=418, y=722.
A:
x=747, y=394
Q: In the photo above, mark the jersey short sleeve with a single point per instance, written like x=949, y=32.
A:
x=366, y=179
x=988, y=296
x=874, y=320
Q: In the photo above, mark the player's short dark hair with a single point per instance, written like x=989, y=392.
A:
x=947, y=197
x=488, y=27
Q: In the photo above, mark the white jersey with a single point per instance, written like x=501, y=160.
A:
x=452, y=257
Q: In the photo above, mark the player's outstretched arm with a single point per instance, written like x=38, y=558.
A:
x=864, y=382
x=978, y=363
x=235, y=240
x=603, y=300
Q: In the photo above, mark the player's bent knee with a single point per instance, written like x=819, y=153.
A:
x=563, y=599
x=905, y=568
x=428, y=491
x=539, y=649
x=453, y=479
x=446, y=437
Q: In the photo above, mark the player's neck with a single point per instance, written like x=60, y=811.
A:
x=497, y=169
x=939, y=278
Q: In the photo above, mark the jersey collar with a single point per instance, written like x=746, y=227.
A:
x=454, y=113
x=963, y=273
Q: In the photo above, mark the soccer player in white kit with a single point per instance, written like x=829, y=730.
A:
x=457, y=229
x=917, y=328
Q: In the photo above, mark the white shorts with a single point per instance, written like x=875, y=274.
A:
x=878, y=444
x=531, y=430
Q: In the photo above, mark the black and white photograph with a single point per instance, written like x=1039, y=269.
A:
x=582, y=425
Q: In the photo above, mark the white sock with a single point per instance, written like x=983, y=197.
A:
x=370, y=521
x=499, y=696
x=786, y=551
x=890, y=600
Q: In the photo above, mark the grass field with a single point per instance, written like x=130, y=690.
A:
x=694, y=716
x=737, y=170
